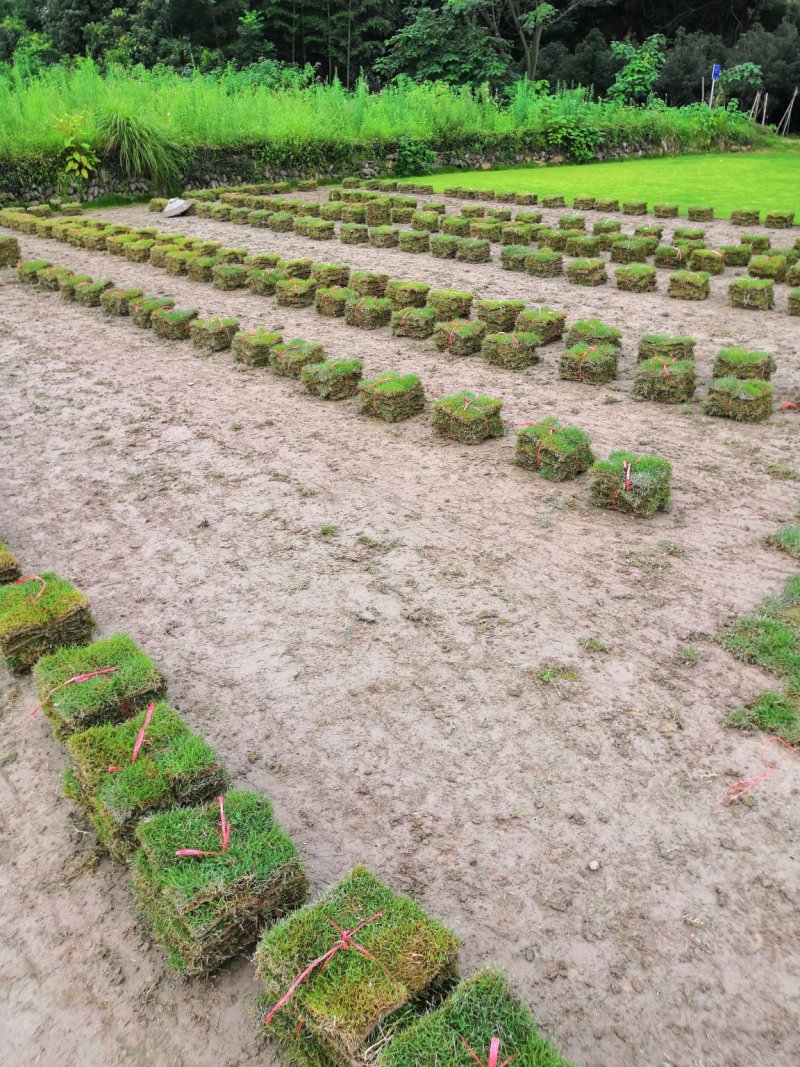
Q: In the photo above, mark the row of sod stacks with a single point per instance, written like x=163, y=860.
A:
x=37, y=615
x=123, y=772
x=556, y=452
x=9, y=567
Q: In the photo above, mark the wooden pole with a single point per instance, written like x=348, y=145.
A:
x=703, y=88
x=783, y=125
x=755, y=105
x=764, y=112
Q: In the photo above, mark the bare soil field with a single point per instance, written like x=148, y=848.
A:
x=413, y=688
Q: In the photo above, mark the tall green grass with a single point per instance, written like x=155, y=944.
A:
x=224, y=109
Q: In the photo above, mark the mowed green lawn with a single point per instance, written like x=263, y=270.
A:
x=766, y=180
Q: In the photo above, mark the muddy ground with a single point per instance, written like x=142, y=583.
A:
x=398, y=687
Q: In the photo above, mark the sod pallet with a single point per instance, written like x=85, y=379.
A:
x=122, y=772
x=177, y=262
x=384, y=236
x=665, y=211
x=331, y=301
x=665, y=381
x=288, y=358
x=514, y=351
x=553, y=201
x=793, y=304
x=744, y=401
x=634, y=207
x=512, y=257
x=634, y=485
x=744, y=364
x=367, y=312
x=28, y=270
x=38, y=614
x=689, y=285
x=543, y=322
x=792, y=275
x=556, y=452
x=779, y=220
x=516, y=233
x=119, y=301
x=444, y=246
x=9, y=251
x=468, y=418
x=555, y=240
x=450, y=303
x=9, y=567
x=668, y=256
x=264, y=282
x=330, y=274
x=585, y=203
x=584, y=246
x=593, y=364
x=474, y=250
x=759, y=242
x=544, y=263
x=391, y=397
x=206, y=908
x=629, y=250
x=142, y=311
x=755, y=294
x=253, y=347
x=700, y=213
x=455, y=226
x=201, y=268
x=593, y=332
x=736, y=255
x=295, y=292
x=368, y=282
x=353, y=233
x=213, y=335
x=50, y=277
x=414, y=322
x=459, y=337
x=588, y=272
x=173, y=324
x=334, y=379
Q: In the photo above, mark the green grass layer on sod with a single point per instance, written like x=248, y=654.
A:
x=38, y=616
x=769, y=181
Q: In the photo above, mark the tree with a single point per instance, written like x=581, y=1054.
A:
x=634, y=84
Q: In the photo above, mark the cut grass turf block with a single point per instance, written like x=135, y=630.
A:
x=544, y=263
x=665, y=381
x=50, y=276
x=634, y=207
x=664, y=346
x=743, y=364
x=744, y=401
x=405, y=294
x=367, y=312
x=455, y=226
x=665, y=211
x=9, y=251
x=142, y=310
x=555, y=240
x=593, y=332
x=444, y=246
x=773, y=267
x=139, y=251
x=172, y=767
x=414, y=240
x=228, y=276
x=9, y=567
x=296, y=292
x=320, y=230
x=330, y=274
x=745, y=218
x=28, y=270
x=529, y=218
x=594, y=364
x=173, y=324
x=634, y=485
x=689, y=285
x=736, y=255
x=636, y=278
x=332, y=301
x=352, y=233
x=335, y=379
x=707, y=259
x=331, y=211
x=589, y=272
x=700, y=214
x=759, y=242
x=352, y=1005
x=572, y=222
x=288, y=358
x=450, y=303
x=88, y=293
x=213, y=335
x=553, y=201
x=486, y=229
x=468, y=418
x=669, y=256
x=281, y=222
x=512, y=257
x=556, y=452
x=501, y=214
x=201, y=268
x=514, y=351
x=391, y=397
x=779, y=220
x=39, y=615
x=757, y=294
x=416, y=322
x=253, y=348
x=516, y=233
x=384, y=236
x=204, y=910
x=378, y=213
x=177, y=262
x=426, y=220
x=118, y=301
x=460, y=337
x=260, y=218
x=585, y=203
x=792, y=275
x=264, y=282
x=369, y=283
x=793, y=305
x=473, y=211
x=474, y=250
x=603, y=226
x=499, y=314
x=354, y=213
x=583, y=246
x=479, y=1009
x=546, y=324
x=401, y=215
x=629, y=250
x=688, y=233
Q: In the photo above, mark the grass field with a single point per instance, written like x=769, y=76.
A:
x=767, y=180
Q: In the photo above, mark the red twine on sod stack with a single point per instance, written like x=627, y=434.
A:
x=789, y=406
x=494, y=1054
x=747, y=785
x=104, y=671
x=139, y=738
x=345, y=943
x=224, y=832
x=33, y=578
x=537, y=460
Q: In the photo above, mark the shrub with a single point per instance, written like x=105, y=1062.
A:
x=335, y=379
x=636, y=278
x=254, y=348
x=288, y=358
x=468, y=418
x=688, y=285
x=589, y=272
x=743, y=364
x=514, y=351
x=414, y=322
x=546, y=324
x=173, y=324
x=665, y=381
x=499, y=314
x=556, y=452
x=773, y=267
x=634, y=485
x=38, y=615
x=758, y=294
x=391, y=397
x=367, y=312
x=213, y=335
x=666, y=347
x=744, y=401
x=414, y=240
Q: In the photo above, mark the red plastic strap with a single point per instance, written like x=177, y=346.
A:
x=403, y=318
x=357, y=311
x=789, y=406
x=494, y=1054
x=345, y=942
x=72, y=681
x=665, y=370
x=33, y=578
x=584, y=354
x=747, y=785
x=678, y=254
x=627, y=477
x=224, y=833
x=139, y=738
x=452, y=333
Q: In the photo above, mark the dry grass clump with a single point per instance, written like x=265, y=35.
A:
x=335, y=379
x=39, y=614
x=634, y=485
x=391, y=397
x=745, y=401
x=468, y=418
x=556, y=452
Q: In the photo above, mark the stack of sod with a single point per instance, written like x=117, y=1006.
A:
x=516, y=232
x=512, y=257
x=605, y=226
x=444, y=246
x=594, y=364
x=700, y=214
x=88, y=293
x=665, y=347
x=354, y=213
x=468, y=418
x=450, y=303
x=118, y=301
x=414, y=322
x=254, y=348
x=636, y=278
x=296, y=292
x=178, y=262
x=758, y=294
x=688, y=233
x=584, y=246
x=515, y=351
x=414, y=240
x=28, y=270
x=213, y=335
x=173, y=324
x=332, y=300
x=159, y=253
x=471, y=250
x=378, y=214
x=736, y=255
x=139, y=251
x=367, y=312
x=9, y=568
x=689, y=285
x=793, y=306
x=744, y=401
x=201, y=268
x=545, y=324
x=528, y=218
x=383, y=236
x=260, y=218
x=759, y=242
x=473, y=211
x=708, y=260
x=792, y=275
x=206, y=909
x=455, y=226
x=329, y=274
x=369, y=283
x=501, y=214
x=479, y=1009
x=353, y=1005
x=555, y=240
x=459, y=336
x=391, y=397
x=593, y=332
x=50, y=277
x=629, y=250
x=425, y=220
x=335, y=379
x=221, y=212
x=572, y=222
x=745, y=218
x=283, y=222
x=406, y=294
x=590, y=272
x=352, y=233
x=331, y=212
x=665, y=211
x=227, y=276
x=317, y=229
x=499, y=314
x=544, y=263
x=288, y=358
x=116, y=788
x=743, y=364
x=402, y=214
x=773, y=267
x=634, y=207
x=557, y=452
x=142, y=310
x=635, y=485
x=668, y=256
x=779, y=220
x=553, y=201
x=585, y=203
x=38, y=616
x=9, y=251
x=665, y=381
x=607, y=204
x=263, y=282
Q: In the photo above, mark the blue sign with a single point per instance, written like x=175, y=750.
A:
x=715, y=73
